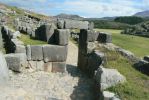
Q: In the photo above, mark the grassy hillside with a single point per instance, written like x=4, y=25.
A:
x=136, y=87
x=137, y=45
x=106, y=24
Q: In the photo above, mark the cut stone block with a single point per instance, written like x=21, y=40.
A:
x=54, y=53
x=48, y=67
x=16, y=62
x=62, y=36
x=20, y=49
x=36, y=52
x=105, y=37
x=58, y=67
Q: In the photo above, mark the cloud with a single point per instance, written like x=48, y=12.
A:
x=87, y=8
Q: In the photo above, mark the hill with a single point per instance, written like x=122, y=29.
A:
x=142, y=14
x=68, y=16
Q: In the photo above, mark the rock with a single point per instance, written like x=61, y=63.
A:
x=61, y=36
x=95, y=59
x=20, y=49
x=4, y=73
x=107, y=78
x=16, y=62
x=17, y=42
x=48, y=67
x=54, y=53
x=106, y=95
x=36, y=53
x=60, y=24
x=146, y=58
x=32, y=65
x=17, y=34
x=58, y=67
x=104, y=37
x=28, y=52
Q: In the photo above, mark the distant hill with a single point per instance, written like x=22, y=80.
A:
x=142, y=14
x=69, y=16
x=103, y=18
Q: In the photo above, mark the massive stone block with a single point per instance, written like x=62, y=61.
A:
x=54, y=53
x=36, y=53
x=61, y=36
x=74, y=24
x=58, y=67
x=95, y=59
x=107, y=78
x=104, y=37
x=86, y=37
x=46, y=33
x=16, y=62
x=91, y=26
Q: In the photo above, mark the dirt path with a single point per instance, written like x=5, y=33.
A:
x=73, y=85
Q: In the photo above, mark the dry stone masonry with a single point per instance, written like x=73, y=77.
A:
x=90, y=60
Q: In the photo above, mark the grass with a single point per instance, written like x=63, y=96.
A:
x=137, y=45
x=137, y=85
x=28, y=41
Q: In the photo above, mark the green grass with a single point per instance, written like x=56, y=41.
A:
x=28, y=41
x=137, y=85
x=138, y=45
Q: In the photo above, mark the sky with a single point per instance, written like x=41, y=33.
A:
x=84, y=8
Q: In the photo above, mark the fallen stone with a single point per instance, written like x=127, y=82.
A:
x=54, y=53
x=36, y=53
x=16, y=62
x=106, y=95
x=107, y=78
x=58, y=67
x=60, y=24
x=146, y=58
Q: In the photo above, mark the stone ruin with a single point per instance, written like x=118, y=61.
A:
x=52, y=56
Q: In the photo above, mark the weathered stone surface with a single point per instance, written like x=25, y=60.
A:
x=20, y=49
x=106, y=95
x=54, y=53
x=58, y=67
x=146, y=58
x=74, y=24
x=36, y=52
x=16, y=62
x=40, y=66
x=85, y=38
x=16, y=34
x=17, y=42
x=62, y=36
x=48, y=67
x=32, y=65
x=94, y=61
x=28, y=52
x=104, y=37
x=108, y=77
x=60, y=24
x=4, y=74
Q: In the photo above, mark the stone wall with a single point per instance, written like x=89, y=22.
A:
x=50, y=57
x=91, y=61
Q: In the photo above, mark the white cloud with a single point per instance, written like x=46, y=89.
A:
x=97, y=8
